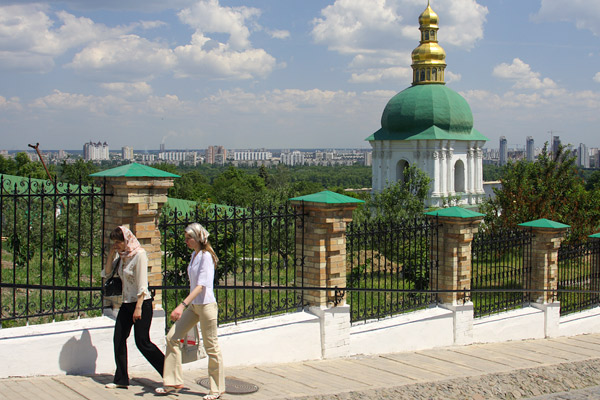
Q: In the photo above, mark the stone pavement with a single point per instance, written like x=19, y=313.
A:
x=569, y=367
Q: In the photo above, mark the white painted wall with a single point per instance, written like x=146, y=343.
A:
x=526, y=323
x=424, y=329
x=85, y=346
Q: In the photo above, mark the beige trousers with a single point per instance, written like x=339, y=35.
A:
x=206, y=314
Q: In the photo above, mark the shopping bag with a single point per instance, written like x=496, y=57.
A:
x=192, y=348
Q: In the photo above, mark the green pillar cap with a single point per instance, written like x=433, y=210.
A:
x=454, y=212
x=327, y=197
x=135, y=170
x=544, y=223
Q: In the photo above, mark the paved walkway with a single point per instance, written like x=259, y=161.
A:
x=349, y=377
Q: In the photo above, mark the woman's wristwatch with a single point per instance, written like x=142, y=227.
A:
x=184, y=304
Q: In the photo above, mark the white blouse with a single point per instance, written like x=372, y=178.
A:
x=134, y=275
x=201, y=272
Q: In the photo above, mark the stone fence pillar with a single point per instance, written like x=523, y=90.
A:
x=138, y=194
x=453, y=247
x=547, y=238
x=323, y=237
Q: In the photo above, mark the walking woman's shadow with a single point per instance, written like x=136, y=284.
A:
x=78, y=357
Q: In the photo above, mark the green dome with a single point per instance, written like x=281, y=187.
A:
x=427, y=112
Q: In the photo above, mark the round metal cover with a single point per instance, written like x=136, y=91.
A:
x=232, y=385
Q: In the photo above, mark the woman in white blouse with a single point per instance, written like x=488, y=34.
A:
x=199, y=306
x=136, y=309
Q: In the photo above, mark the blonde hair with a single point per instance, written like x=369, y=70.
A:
x=200, y=234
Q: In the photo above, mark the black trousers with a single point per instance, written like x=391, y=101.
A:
x=142, y=340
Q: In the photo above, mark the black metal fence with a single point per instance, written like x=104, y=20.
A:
x=578, y=276
x=259, y=259
x=501, y=270
x=51, y=250
x=389, y=265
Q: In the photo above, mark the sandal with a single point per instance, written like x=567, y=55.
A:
x=168, y=389
x=212, y=396
x=115, y=386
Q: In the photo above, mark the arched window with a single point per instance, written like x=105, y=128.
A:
x=428, y=74
x=426, y=35
x=434, y=74
x=432, y=35
x=401, y=167
x=459, y=177
x=422, y=75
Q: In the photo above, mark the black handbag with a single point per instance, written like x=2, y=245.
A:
x=113, y=286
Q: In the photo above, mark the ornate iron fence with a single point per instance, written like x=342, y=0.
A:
x=389, y=265
x=501, y=270
x=258, y=259
x=51, y=250
x=578, y=276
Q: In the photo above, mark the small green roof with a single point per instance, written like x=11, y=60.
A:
x=327, y=197
x=135, y=170
x=544, y=223
x=455, y=212
x=595, y=235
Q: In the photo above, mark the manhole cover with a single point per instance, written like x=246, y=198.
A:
x=232, y=385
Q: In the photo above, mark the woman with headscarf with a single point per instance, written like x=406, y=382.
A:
x=136, y=309
x=199, y=306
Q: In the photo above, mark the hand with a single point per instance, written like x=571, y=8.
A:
x=137, y=314
x=176, y=314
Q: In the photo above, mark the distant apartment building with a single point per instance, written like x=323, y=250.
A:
x=503, y=150
x=251, y=155
x=95, y=151
x=555, y=144
x=583, y=156
x=147, y=158
x=127, y=153
x=292, y=158
x=216, y=155
x=178, y=157
x=530, y=149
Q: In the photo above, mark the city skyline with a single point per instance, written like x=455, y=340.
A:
x=285, y=74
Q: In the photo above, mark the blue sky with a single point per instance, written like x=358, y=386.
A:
x=286, y=73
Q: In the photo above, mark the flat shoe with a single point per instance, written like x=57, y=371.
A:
x=212, y=396
x=168, y=389
x=115, y=386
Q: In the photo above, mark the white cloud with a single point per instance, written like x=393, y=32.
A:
x=207, y=56
x=584, y=14
x=597, y=77
x=278, y=34
x=400, y=74
x=128, y=89
x=375, y=30
x=10, y=104
x=30, y=38
x=522, y=76
x=128, y=57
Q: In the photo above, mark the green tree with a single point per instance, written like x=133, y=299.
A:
x=8, y=166
x=236, y=187
x=80, y=169
x=404, y=199
x=548, y=188
x=191, y=186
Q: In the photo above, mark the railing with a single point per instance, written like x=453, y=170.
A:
x=259, y=259
x=51, y=250
x=578, y=276
x=501, y=270
x=389, y=265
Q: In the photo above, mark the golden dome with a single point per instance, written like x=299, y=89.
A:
x=430, y=51
x=428, y=18
x=428, y=59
